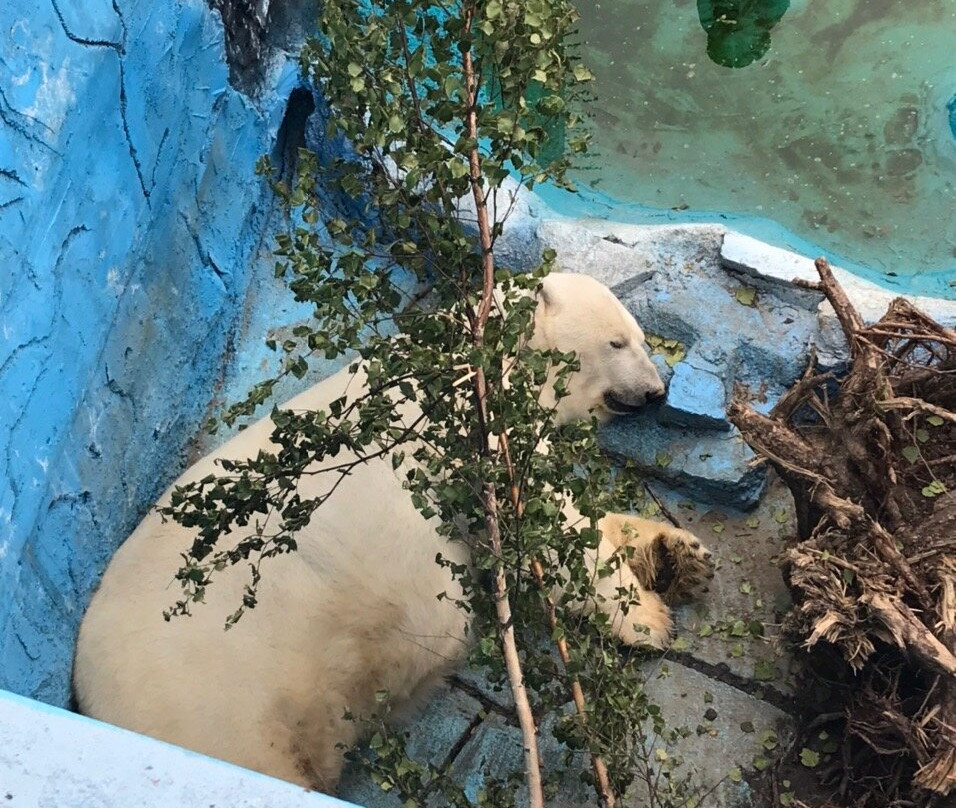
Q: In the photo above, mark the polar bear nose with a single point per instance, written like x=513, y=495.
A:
x=656, y=394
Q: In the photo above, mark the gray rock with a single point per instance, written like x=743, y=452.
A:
x=722, y=732
x=705, y=465
x=696, y=399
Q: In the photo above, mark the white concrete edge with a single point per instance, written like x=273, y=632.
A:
x=52, y=758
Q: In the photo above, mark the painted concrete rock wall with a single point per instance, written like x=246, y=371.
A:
x=129, y=218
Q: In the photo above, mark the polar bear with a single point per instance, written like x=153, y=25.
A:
x=355, y=609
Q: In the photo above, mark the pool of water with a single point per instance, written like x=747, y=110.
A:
x=823, y=125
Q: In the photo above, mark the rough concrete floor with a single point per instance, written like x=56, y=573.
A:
x=725, y=680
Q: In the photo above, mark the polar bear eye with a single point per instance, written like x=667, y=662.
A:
x=618, y=344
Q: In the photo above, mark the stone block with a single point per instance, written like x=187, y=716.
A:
x=715, y=467
x=696, y=399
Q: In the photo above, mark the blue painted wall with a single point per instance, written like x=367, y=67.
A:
x=130, y=219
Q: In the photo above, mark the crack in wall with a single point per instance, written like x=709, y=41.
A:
x=37, y=340
x=114, y=387
x=204, y=256
x=159, y=153
x=75, y=500
x=11, y=449
x=489, y=705
x=462, y=742
x=90, y=43
x=7, y=110
x=120, y=49
x=129, y=138
x=12, y=175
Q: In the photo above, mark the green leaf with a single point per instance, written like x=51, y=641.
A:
x=768, y=740
x=935, y=420
x=764, y=671
x=809, y=758
x=746, y=295
x=911, y=453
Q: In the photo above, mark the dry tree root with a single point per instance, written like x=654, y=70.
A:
x=871, y=462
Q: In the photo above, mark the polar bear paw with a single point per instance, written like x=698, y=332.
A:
x=682, y=565
x=647, y=623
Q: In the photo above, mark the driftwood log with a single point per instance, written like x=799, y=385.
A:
x=870, y=459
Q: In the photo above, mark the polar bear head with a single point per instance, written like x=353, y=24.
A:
x=577, y=313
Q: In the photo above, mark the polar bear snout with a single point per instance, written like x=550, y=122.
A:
x=619, y=403
x=639, y=384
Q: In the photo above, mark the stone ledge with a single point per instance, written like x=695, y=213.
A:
x=779, y=268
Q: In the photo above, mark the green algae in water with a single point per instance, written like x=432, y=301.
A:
x=828, y=117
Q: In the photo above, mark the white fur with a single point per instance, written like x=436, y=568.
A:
x=355, y=610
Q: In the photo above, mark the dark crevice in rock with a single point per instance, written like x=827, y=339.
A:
x=256, y=28
x=625, y=288
x=120, y=49
x=721, y=673
x=488, y=704
x=202, y=252
x=159, y=154
x=462, y=741
x=292, y=133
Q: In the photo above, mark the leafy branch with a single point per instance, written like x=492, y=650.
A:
x=431, y=102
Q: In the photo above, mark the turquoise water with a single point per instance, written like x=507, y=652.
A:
x=820, y=126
